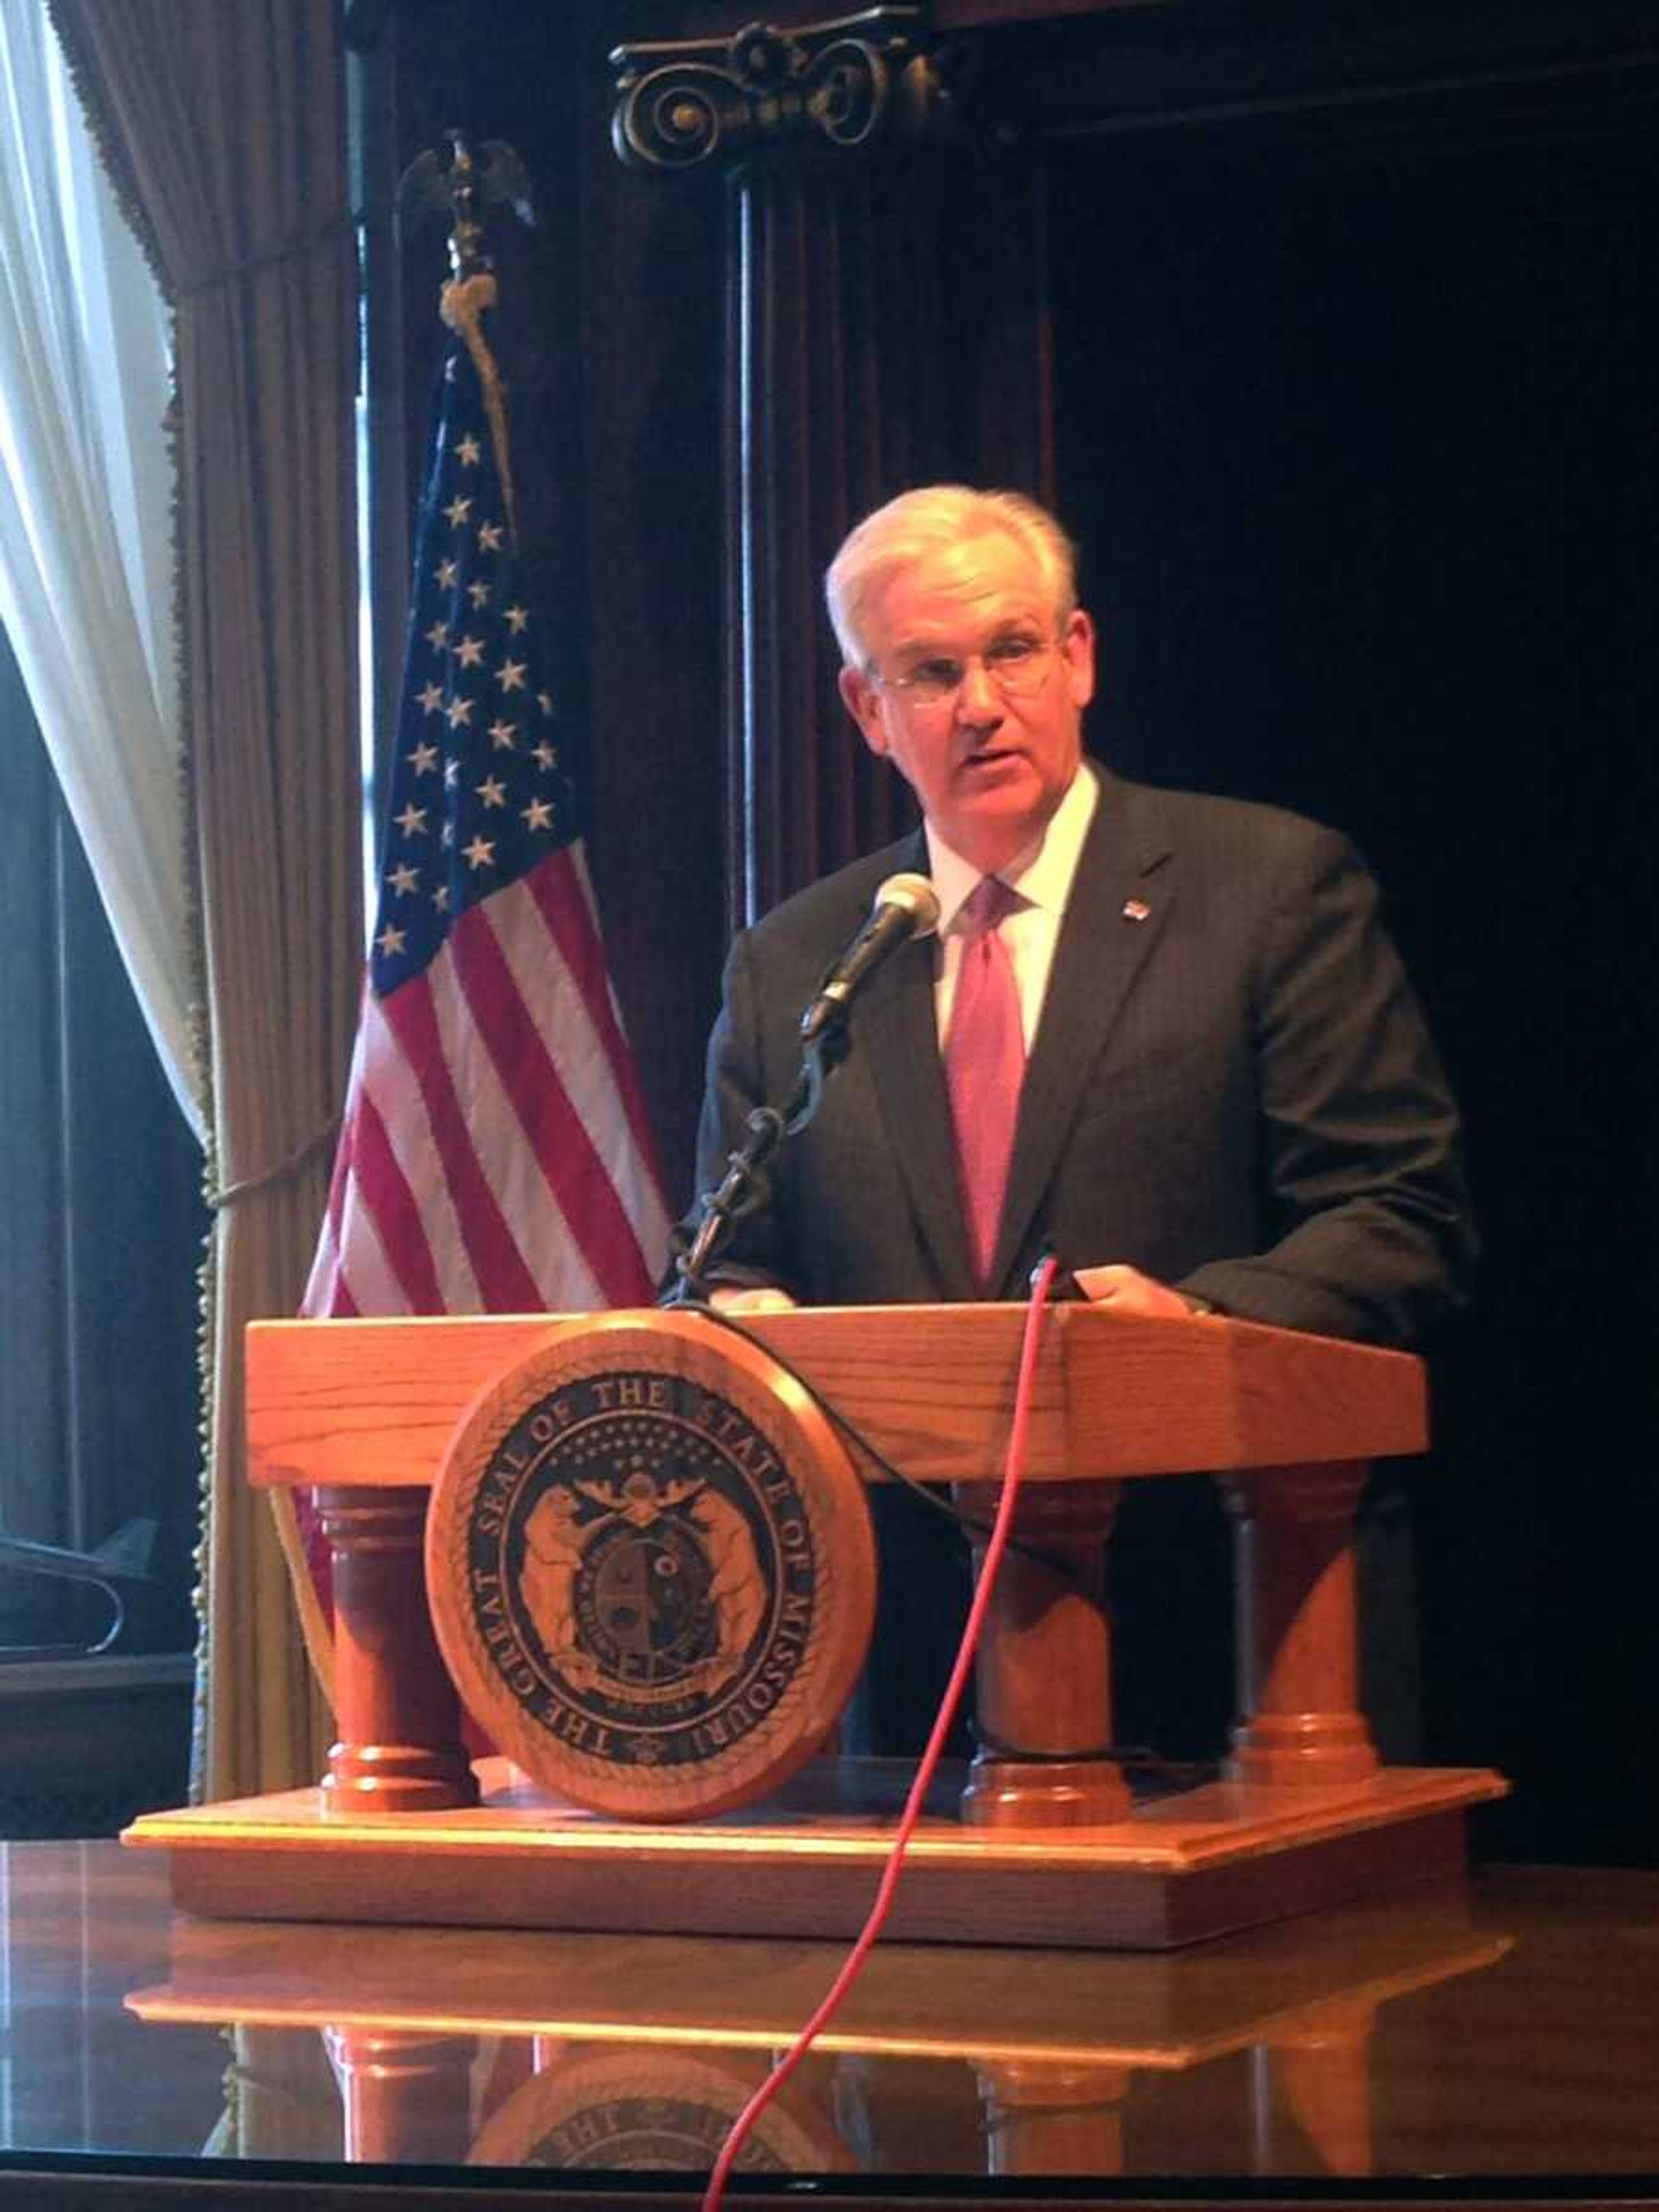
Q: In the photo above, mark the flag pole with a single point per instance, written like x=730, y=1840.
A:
x=495, y=1153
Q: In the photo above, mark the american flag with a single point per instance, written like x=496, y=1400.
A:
x=494, y=1156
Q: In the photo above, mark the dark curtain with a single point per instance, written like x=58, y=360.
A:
x=881, y=334
x=1363, y=450
x=225, y=131
x=1365, y=456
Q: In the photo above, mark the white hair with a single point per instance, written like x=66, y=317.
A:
x=937, y=519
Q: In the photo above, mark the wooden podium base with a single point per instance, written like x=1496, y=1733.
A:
x=1226, y=1855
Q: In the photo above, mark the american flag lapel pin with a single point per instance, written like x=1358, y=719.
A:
x=1136, y=910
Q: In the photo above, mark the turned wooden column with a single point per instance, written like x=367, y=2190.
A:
x=399, y=1747
x=1043, y=1674
x=1298, y=1646
x=407, y=2096
x=1319, y=2068
x=1042, y=2116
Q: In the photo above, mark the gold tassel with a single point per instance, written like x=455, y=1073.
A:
x=462, y=305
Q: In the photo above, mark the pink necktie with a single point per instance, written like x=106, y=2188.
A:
x=985, y=1066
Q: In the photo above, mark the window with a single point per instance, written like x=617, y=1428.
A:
x=101, y=1228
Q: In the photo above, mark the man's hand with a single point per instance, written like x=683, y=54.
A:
x=763, y=1300
x=1126, y=1291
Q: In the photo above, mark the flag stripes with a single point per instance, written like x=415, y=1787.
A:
x=496, y=1155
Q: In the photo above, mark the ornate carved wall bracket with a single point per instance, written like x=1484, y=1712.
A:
x=842, y=83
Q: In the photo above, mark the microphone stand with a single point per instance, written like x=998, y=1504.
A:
x=768, y=1128
x=906, y=908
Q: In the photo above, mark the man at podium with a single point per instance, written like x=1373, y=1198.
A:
x=1163, y=1036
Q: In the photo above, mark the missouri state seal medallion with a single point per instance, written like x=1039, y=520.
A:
x=651, y=1568
x=650, y=2110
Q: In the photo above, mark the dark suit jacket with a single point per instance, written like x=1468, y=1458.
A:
x=1235, y=1092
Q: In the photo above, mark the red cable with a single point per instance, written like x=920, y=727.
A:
x=742, y=2126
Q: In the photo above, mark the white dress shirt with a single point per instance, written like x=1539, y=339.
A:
x=1042, y=875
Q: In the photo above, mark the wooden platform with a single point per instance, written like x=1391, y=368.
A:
x=974, y=2003
x=1222, y=1856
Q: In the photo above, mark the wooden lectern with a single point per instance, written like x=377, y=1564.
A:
x=1045, y=1845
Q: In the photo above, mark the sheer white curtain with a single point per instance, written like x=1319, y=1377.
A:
x=86, y=561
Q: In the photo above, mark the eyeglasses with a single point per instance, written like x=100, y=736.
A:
x=1017, y=666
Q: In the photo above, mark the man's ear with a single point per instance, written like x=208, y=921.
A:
x=863, y=702
x=1078, y=644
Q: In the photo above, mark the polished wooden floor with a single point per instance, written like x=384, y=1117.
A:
x=1491, y=2041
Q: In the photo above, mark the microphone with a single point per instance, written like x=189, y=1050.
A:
x=905, y=907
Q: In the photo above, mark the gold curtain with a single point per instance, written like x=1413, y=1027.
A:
x=224, y=128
